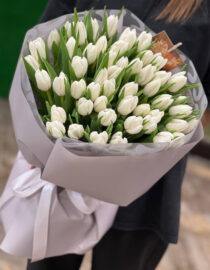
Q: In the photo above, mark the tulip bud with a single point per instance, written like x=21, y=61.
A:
x=108, y=117
x=112, y=25
x=55, y=129
x=95, y=26
x=152, y=88
x=130, y=89
x=178, y=80
x=58, y=114
x=163, y=76
x=149, y=124
x=147, y=57
x=146, y=74
x=142, y=110
x=157, y=115
x=75, y=131
x=43, y=80
x=59, y=84
x=37, y=45
x=113, y=72
x=70, y=45
x=192, y=124
x=85, y=106
x=68, y=28
x=137, y=66
x=102, y=76
x=32, y=62
x=144, y=41
x=95, y=90
x=53, y=37
x=159, y=61
x=129, y=36
x=101, y=45
x=183, y=109
x=133, y=124
x=163, y=137
x=78, y=88
x=127, y=105
x=81, y=30
x=112, y=57
x=122, y=62
x=96, y=137
x=163, y=101
x=178, y=135
x=100, y=103
x=177, y=125
x=118, y=139
x=80, y=65
x=119, y=46
x=91, y=53
x=180, y=99
x=109, y=87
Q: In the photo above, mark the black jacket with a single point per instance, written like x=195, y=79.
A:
x=159, y=208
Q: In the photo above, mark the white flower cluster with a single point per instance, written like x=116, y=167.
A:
x=103, y=87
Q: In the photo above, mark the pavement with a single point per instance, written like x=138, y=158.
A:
x=193, y=249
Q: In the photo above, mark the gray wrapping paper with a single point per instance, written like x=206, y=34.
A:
x=113, y=173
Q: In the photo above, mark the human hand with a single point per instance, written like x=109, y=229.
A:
x=206, y=118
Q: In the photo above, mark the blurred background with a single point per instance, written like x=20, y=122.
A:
x=193, y=250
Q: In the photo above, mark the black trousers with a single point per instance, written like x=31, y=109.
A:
x=117, y=250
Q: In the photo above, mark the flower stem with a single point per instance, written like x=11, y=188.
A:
x=49, y=97
x=62, y=101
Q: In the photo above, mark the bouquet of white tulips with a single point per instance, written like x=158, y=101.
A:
x=101, y=86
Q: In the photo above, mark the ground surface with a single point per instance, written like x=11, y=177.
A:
x=193, y=249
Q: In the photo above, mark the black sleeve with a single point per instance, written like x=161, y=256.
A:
x=206, y=85
x=56, y=8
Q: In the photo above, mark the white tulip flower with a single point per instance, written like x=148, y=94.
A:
x=53, y=37
x=37, y=45
x=157, y=115
x=68, y=28
x=144, y=41
x=146, y=74
x=122, y=62
x=179, y=80
x=152, y=88
x=75, y=131
x=113, y=72
x=117, y=138
x=180, y=99
x=183, y=109
x=70, y=45
x=142, y=110
x=112, y=57
x=59, y=84
x=149, y=124
x=177, y=125
x=95, y=27
x=127, y=105
x=55, y=129
x=178, y=135
x=108, y=117
x=100, y=103
x=163, y=76
x=147, y=57
x=119, y=46
x=58, y=114
x=96, y=137
x=81, y=30
x=192, y=124
x=112, y=25
x=133, y=124
x=159, y=61
x=43, y=80
x=95, y=90
x=163, y=137
x=137, y=66
x=129, y=36
x=101, y=45
x=109, y=87
x=85, y=106
x=102, y=76
x=80, y=65
x=32, y=62
x=163, y=101
x=130, y=89
x=78, y=88
x=91, y=51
